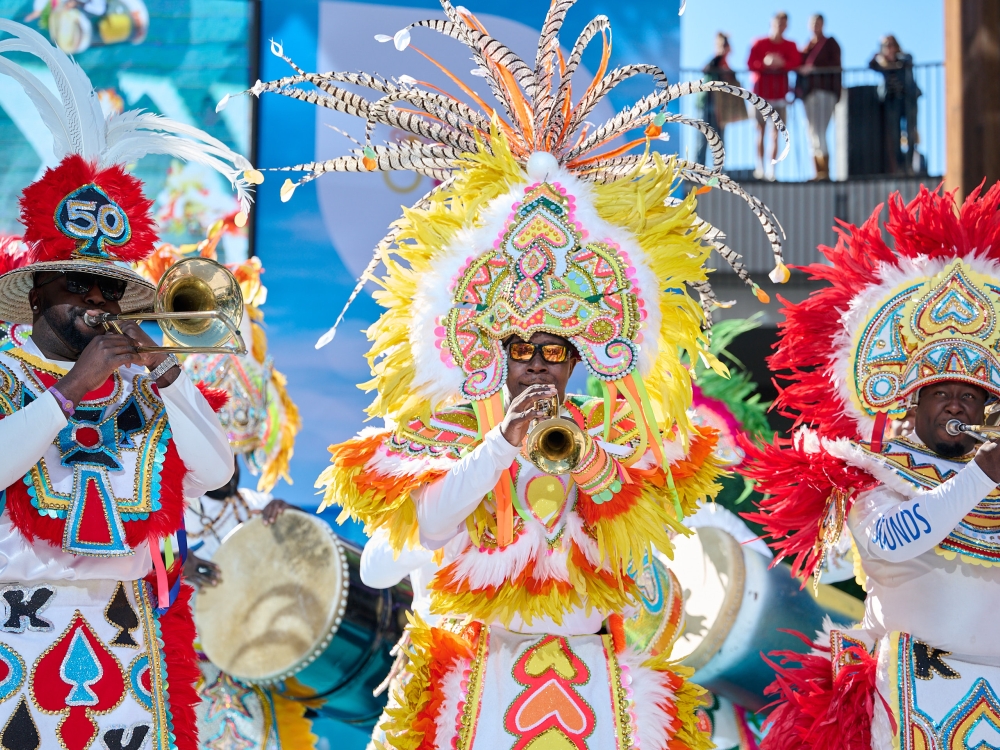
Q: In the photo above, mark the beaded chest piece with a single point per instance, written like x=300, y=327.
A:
x=104, y=469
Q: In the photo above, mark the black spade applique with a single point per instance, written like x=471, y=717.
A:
x=20, y=732
x=114, y=738
x=120, y=614
x=927, y=659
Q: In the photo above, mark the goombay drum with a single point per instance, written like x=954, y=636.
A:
x=291, y=603
x=735, y=608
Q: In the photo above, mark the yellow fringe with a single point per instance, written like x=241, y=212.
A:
x=589, y=590
x=291, y=423
x=294, y=729
x=688, y=698
x=376, y=501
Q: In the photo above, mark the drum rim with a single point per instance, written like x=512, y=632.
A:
x=341, y=609
x=729, y=610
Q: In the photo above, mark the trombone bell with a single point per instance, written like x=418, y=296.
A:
x=198, y=306
x=555, y=445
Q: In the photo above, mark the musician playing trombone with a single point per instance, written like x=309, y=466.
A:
x=905, y=330
x=101, y=441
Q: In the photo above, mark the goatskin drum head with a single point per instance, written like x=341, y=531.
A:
x=281, y=599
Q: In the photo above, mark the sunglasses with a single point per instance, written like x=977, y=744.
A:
x=79, y=282
x=523, y=351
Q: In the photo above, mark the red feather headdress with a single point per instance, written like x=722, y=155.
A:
x=828, y=341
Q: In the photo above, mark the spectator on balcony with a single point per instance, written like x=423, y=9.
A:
x=771, y=59
x=718, y=110
x=817, y=84
x=899, y=93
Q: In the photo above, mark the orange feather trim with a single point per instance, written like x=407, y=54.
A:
x=377, y=500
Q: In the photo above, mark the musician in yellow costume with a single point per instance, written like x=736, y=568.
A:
x=542, y=248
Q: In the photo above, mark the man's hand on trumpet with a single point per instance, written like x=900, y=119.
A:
x=524, y=410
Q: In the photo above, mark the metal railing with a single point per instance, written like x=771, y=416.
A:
x=860, y=135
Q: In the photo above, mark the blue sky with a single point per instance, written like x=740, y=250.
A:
x=857, y=25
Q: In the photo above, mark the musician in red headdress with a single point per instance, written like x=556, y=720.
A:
x=101, y=442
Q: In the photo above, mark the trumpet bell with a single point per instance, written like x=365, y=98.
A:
x=555, y=445
x=199, y=285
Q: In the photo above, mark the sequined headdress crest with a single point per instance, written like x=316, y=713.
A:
x=539, y=221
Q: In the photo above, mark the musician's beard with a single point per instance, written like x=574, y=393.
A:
x=66, y=323
x=950, y=450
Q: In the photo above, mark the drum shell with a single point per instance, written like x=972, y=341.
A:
x=357, y=659
x=764, y=602
x=291, y=604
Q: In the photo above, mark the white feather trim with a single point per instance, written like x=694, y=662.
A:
x=396, y=465
x=448, y=714
x=655, y=727
x=483, y=567
x=869, y=299
x=438, y=381
x=875, y=465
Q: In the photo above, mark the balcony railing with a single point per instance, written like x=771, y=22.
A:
x=858, y=137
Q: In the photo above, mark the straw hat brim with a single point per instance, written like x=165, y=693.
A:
x=15, y=286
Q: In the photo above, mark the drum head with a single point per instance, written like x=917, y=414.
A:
x=710, y=568
x=282, y=597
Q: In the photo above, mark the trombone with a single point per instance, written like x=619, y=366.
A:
x=555, y=445
x=198, y=305
x=984, y=433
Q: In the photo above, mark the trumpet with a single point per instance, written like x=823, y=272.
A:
x=198, y=305
x=984, y=433
x=555, y=445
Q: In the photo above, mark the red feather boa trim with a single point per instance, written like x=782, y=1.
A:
x=216, y=397
x=445, y=651
x=13, y=254
x=815, y=710
x=162, y=523
x=796, y=486
x=41, y=198
x=177, y=632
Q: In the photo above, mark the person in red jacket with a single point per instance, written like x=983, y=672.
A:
x=771, y=59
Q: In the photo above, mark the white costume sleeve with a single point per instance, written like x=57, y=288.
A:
x=26, y=434
x=381, y=570
x=200, y=440
x=895, y=529
x=443, y=505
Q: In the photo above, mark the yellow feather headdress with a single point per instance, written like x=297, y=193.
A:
x=539, y=222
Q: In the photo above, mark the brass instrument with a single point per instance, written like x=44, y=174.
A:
x=555, y=445
x=198, y=305
x=984, y=433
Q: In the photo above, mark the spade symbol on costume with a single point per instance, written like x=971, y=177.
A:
x=120, y=614
x=20, y=732
x=114, y=738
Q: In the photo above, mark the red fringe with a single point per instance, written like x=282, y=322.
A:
x=622, y=502
x=796, y=486
x=178, y=633
x=816, y=711
x=13, y=254
x=216, y=397
x=32, y=525
x=40, y=200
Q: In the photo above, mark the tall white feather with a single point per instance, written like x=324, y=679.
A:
x=82, y=130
